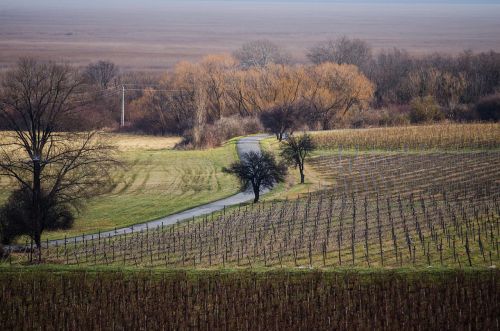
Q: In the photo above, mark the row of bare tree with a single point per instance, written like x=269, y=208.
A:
x=205, y=92
x=261, y=84
x=261, y=81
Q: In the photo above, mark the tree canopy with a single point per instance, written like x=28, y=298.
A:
x=259, y=170
x=295, y=150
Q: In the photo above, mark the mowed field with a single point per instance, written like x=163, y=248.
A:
x=156, y=37
x=156, y=181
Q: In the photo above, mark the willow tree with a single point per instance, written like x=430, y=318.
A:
x=37, y=101
x=334, y=89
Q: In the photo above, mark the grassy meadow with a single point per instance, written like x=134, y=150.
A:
x=156, y=181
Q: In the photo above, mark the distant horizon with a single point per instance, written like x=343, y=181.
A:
x=31, y=4
x=158, y=33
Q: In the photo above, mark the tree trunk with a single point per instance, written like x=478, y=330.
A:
x=302, y=176
x=38, y=243
x=36, y=195
x=256, y=192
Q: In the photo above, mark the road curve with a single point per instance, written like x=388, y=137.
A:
x=244, y=145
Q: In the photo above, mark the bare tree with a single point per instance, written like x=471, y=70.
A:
x=260, y=53
x=342, y=51
x=260, y=170
x=295, y=150
x=336, y=89
x=282, y=119
x=101, y=73
x=66, y=167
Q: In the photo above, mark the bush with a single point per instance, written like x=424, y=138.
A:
x=425, y=110
x=390, y=116
x=461, y=113
x=16, y=215
x=213, y=135
x=488, y=108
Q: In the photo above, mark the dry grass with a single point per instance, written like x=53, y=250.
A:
x=130, y=142
x=439, y=136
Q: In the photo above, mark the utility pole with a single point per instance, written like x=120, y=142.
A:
x=122, y=122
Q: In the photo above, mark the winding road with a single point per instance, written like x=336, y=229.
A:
x=244, y=145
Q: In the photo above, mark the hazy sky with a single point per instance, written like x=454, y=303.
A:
x=144, y=3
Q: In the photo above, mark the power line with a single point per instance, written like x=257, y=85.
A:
x=153, y=90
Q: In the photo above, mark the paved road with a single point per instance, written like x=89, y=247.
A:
x=244, y=145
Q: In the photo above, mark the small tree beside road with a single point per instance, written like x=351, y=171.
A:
x=295, y=150
x=258, y=169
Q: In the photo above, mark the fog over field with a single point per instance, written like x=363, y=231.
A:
x=155, y=34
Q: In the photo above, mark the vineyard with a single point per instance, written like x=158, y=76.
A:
x=437, y=137
x=382, y=210
x=402, y=234
x=446, y=300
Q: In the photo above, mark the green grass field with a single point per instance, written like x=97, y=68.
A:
x=156, y=181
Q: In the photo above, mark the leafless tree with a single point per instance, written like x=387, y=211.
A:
x=36, y=100
x=283, y=119
x=342, y=51
x=101, y=73
x=390, y=69
x=295, y=150
x=260, y=53
x=260, y=170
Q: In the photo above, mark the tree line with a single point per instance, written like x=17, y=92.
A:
x=345, y=83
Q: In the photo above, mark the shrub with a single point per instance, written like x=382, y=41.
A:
x=425, y=110
x=215, y=134
x=390, y=116
x=16, y=215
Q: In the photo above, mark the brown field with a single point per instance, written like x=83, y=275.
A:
x=157, y=38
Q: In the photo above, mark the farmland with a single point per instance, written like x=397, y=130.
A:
x=402, y=233
x=447, y=137
x=242, y=300
x=249, y=165
x=380, y=209
x=155, y=181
